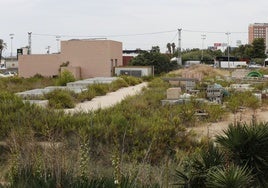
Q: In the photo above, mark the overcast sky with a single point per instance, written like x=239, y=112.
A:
x=136, y=23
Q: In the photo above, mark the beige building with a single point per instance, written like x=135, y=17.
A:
x=84, y=58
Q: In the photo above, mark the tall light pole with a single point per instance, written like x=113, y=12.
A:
x=179, y=61
x=228, y=52
x=11, y=38
x=58, y=41
x=203, y=37
x=48, y=49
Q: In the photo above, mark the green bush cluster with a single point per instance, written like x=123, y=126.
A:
x=143, y=131
x=117, y=84
x=60, y=99
x=18, y=84
x=65, y=77
x=131, y=80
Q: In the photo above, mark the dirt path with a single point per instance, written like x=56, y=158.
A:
x=107, y=100
x=212, y=129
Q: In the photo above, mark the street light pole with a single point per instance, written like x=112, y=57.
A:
x=203, y=37
x=58, y=41
x=11, y=38
x=228, y=52
x=179, y=61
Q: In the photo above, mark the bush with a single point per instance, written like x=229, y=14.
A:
x=61, y=99
x=86, y=95
x=65, y=77
x=100, y=89
x=131, y=80
x=117, y=84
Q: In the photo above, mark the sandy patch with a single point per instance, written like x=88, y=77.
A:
x=213, y=129
x=108, y=100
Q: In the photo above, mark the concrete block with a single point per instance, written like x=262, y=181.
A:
x=173, y=93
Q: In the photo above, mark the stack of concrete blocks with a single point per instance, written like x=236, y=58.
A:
x=173, y=93
x=193, y=74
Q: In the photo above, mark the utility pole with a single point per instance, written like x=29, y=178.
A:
x=179, y=47
x=58, y=41
x=29, y=43
x=48, y=49
x=11, y=38
x=228, y=50
x=203, y=37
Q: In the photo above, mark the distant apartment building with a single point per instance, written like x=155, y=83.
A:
x=258, y=30
x=84, y=58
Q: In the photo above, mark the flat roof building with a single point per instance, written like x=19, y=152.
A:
x=258, y=30
x=84, y=58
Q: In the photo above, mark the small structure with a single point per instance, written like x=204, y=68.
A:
x=215, y=93
x=255, y=74
x=173, y=93
x=137, y=71
x=265, y=62
x=185, y=83
x=241, y=87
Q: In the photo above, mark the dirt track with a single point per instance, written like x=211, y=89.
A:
x=107, y=100
x=212, y=129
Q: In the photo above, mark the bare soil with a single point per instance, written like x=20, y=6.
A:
x=245, y=116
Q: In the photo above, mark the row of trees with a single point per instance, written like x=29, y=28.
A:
x=161, y=62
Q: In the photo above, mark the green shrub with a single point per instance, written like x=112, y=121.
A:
x=100, y=89
x=86, y=95
x=131, y=80
x=61, y=99
x=117, y=84
x=65, y=77
x=147, y=78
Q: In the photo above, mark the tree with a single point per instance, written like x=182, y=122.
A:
x=155, y=49
x=161, y=62
x=2, y=47
x=169, y=48
x=173, y=46
x=258, y=48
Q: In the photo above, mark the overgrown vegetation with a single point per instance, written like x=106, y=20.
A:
x=137, y=143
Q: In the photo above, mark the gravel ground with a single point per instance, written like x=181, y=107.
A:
x=107, y=100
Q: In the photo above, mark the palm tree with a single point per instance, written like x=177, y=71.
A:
x=246, y=145
x=2, y=47
x=169, y=48
x=173, y=46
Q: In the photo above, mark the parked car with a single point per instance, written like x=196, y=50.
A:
x=8, y=74
x=253, y=65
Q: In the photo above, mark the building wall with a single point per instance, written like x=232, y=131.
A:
x=258, y=30
x=94, y=58
x=44, y=64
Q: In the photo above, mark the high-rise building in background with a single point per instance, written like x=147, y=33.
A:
x=258, y=30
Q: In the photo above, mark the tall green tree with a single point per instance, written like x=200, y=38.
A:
x=173, y=47
x=169, y=48
x=2, y=47
x=258, y=48
x=161, y=62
